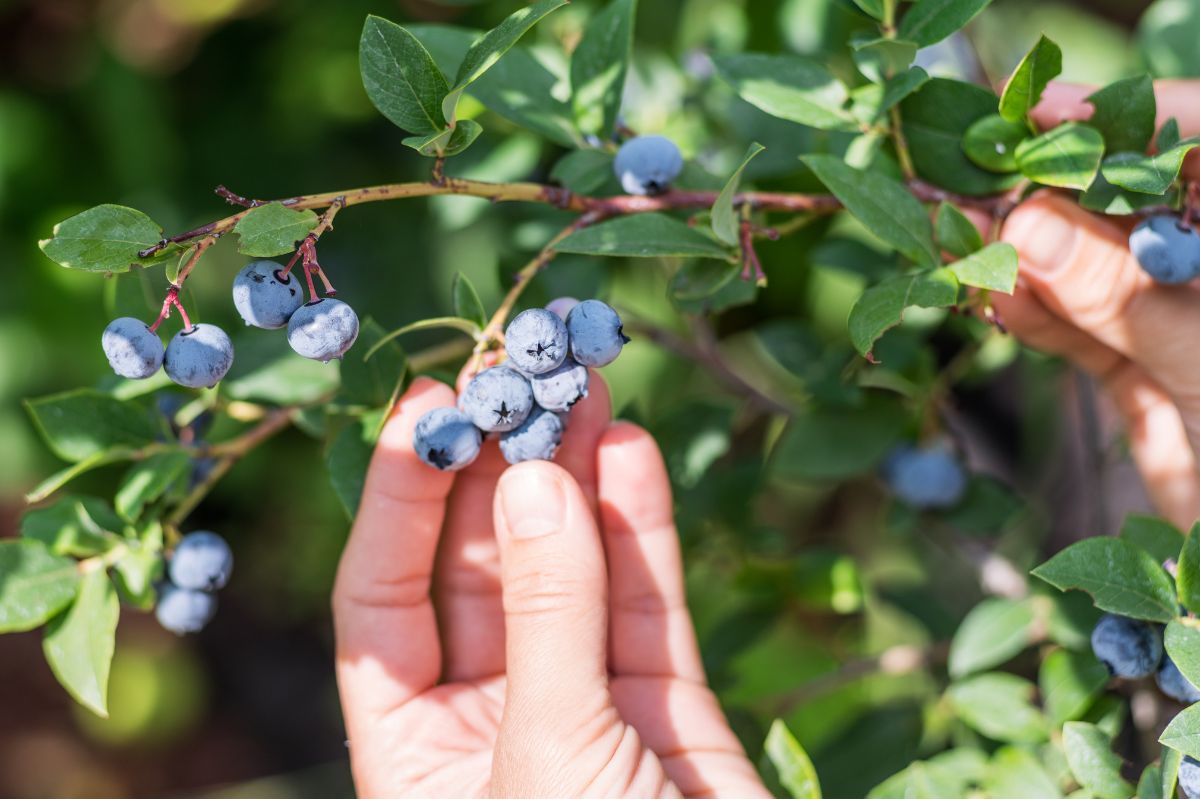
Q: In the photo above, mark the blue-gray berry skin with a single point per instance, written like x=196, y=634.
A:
x=1189, y=777
x=1172, y=683
x=1129, y=648
x=263, y=298
x=323, y=330
x=561, y=388
x=447, y=439
x=536, y=341
x=497, y=400
x=182, y=610
x=536, y=440
x=199, y=357
x=647, y=164
x=132, y=350
x=1167, y=250
x=202, y=561
x=596, y=333
x=925, y=478
x=561, y=306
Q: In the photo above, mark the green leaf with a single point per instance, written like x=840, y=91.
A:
x=994, y=268
x=466, y=301
x=999, y=706
x=1167, y=34
x=447, y=141
x=1067, y=156
x=642, y=236
x=84, y=423
x=1120, y=577
x=1170, y=760
x=451, y=322
x=791, y=763
x=955, y=233
x=106, y=238
x=1150, y=785
x=871, y=102
x=1015, y=773
x=1157, y=536
x=1109, y=199
x=992, y=141
x=922, y=780
x=400, y=77
x=836, y=443
x=882, y=204
x=872, y=7
x=1147, y=174
x=1041, y=64
x=1069, y=682
x=60, y=478
x=1182, y=641
x=880, y=59
x=272, y=229
x=74, y=525
x=598, y=68
x=1092, y=762
x=1168, y=135
x=583, y=171
x=881, y=307
x=1124, y=114
x=488, y=50
x=347, y=460
x=78, y=645
x=1187, y=576
x=266, y=370
x=148, y=480
x=930, y=21
x=372, y=372
x=790, y=87
x=993, y=632
x=1183, y=733
x=35, y=584
x=724, y=219
x=707, y=286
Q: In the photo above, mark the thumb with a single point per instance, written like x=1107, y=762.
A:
x=555, y=595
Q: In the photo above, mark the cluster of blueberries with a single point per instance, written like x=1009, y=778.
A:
x=526, y=399
x=1133, y=649
x=200, y=355
x=198, y=568
x=927, y=478
x=1167, y=248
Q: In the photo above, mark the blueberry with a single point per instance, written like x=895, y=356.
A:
x=536, y=440
x=264, y=298
x=202, y=561
x=1167, y=250
x=647, y=164
x=497, y=399
x=596, y=333
x=1172, y=683
x=132, y=350
x=323, y=329
x=201, y=469
x=1127, y=647
x=1189, y=777
x=925, y=478
x=182, y=610
x=561, y=306
x=561, y=388
x=536, y=341
x=446, y=439
x=199, y=357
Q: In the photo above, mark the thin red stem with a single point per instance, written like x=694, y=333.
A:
x=312, y=290
x=187, y=323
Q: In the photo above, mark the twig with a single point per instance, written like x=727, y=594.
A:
x=899, y=659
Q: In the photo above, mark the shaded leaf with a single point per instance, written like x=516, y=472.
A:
x=272, y=229
x=724, y=219
x=881, y=307
x=34, y=584
x=598, y=67
x=400, y=77
x=790, y=87
x=791, y=763
x=930, y=21
x=993, y=632
x=1157, y=536
x=999, y=706
x=1092, y=762
x=79, y=644
x=1124, y=114
x=84, y=423
x=955, y=233
x=649, y=235
x=467, y=304
x=1120, y=577
x=994, y=267
x=148, y=480
x=1069, y=682
x=447, y=141
x=1147, y=174
x=1041, y=64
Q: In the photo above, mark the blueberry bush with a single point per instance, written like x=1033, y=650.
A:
x=808, y=260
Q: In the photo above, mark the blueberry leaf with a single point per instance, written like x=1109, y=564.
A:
x=880, y=59
x=724, y=218
x=1120, y=577
x=1147, y=174
x=955, y=233
x=1069, y=682
x=993, y=632
x=272, y=229
x=447, y=141
x=1187, y=577
x=106, y=238
x=1182, y=640
x=881, y=307
x=400, y=77
x=792, y=767
x=467, y=304
x=1170, y=761
x=930, y=21
x=148, y=480
x=35, y=584
x=789, y=87
x=69, y=526
x=1183, y=733
x=991, y=142
x=1168, y=135
x=451, y=322
x=79, y=644
x=835, y=443
x=994, y=268
x=372, y=371
x=1067, y=156
x=85, y=423
x=1092, y=762
x=347, y=460
x=1041, y=64
x=1124, y=114
x=1158, y=537
x=598, y=67
x=999, y=706
x=1108, y=198
x=1016, y=773
x=583, y=171
x=649, y=235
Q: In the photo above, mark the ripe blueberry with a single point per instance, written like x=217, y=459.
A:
x=925, y=478
x=132, y=350
x=536, y=341
x=596, y=333
x=561, y=388
x=182, y=610
x=1172, y=683
x=647, y=164
x=561, y=306
x=199, y=357
x=263, y=298
x=1189, y=777
x=1167, y=249
x=202, y=561
x=497, y=400
x=446, y=439
x=537, y=439
x=323, y=329
x=1129, y=648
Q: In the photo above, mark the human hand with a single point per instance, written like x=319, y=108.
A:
x=556, y=656
x=1081, y=294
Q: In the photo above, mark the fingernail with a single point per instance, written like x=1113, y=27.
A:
x=533, y=502
x=1044, y=238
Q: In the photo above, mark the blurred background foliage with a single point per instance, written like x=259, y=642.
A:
x=800, y=578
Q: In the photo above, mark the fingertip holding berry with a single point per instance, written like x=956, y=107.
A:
x=323, y=329
x=199, y=357
x=536, y=341
x=1166, y=248
x=559, y=389
x=537, y=439
x=132, y=349
x=926, y=478
x=184, y=610
x=561, y=306
x=446, y=439
x=202, y=561
x=497, y=400
x=647, y=164
x=1128, y=648
x=1172, y=683
x=264, y=297
x=596, y=333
